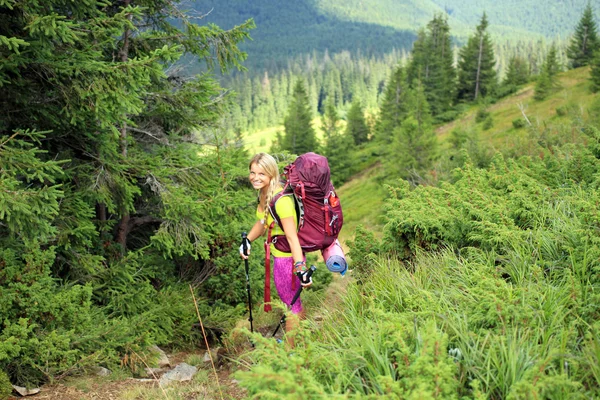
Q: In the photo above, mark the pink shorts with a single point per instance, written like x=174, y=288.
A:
x=283, y=275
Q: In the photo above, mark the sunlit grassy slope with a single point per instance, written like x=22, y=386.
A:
x=363, y=196
x=574, y=93
x=260, y=141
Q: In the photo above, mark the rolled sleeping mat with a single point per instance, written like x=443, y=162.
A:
x=335, y=258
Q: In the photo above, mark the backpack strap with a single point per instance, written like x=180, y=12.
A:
x=298, y=204
x=267, y=292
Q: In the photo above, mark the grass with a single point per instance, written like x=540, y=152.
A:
x=261, y=141
x=574, y=90
x=362, y=202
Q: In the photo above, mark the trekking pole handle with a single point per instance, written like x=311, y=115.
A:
x=244, y=241
x=309, y=273
x=299, y=274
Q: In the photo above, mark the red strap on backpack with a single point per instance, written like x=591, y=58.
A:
x=267, y=294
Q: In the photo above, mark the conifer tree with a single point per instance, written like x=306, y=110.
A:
x=585, y=41
x=338, y=146
x=393, y=108
x=517, y=72
x=100, y=157
x=418, y=67
x=547, y=82
x=330, y=118
x=415, y=145
x=476, y=73
x=433, y=65
x=299, y=136
x=356, y=127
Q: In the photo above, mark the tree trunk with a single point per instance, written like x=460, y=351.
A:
x=122, y=229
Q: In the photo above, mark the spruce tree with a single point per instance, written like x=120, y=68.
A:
x=547, y=81
x=585, y=41
x=433, y=65
x=105, y=191
x=393, y=108
x=418, y=67
x=415, y=144
x=476, y=73
x=338, y=146
x=330, y=118
x=356, y=127
x=517, y=73
x=299, y=136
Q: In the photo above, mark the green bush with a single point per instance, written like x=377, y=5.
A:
x=363, y=250
x=447, y=116
x=482, y=114
x=488, y=123
x=518, y=123
x=5, y=386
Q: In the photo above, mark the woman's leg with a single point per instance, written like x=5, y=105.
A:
x=283, y=277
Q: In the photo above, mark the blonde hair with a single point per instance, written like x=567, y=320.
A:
x=269, y=165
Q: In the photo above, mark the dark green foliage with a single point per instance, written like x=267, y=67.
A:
x=356, y=126
x=363, y=250
x=339, y=150
x=585, y=41
x=302, y=27
x=546, y=82
x=263, y=99
x=517, y=74
x=415, y=144
x=482, y=208
x=487, y=123
x=518, y=123
x=299, y=136
x=375, y=27
x=476, y=73
x=482, y=114
x=433, y=64
x=103, y=213
x=339, y=147
x=330, y=118
x=393, y=108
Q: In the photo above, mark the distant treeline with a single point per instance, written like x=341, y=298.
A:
x=263, y=96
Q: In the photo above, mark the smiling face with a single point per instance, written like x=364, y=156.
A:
x=259, y=177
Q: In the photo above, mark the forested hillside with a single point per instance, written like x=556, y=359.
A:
x=547, y=18
x=378, y=26
x=285, y=31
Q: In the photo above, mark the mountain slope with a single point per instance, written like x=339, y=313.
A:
x=362, y=197
x=298, y=28
x=547, y=18
x=377, y=26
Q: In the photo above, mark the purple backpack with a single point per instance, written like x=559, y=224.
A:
x=318, y=208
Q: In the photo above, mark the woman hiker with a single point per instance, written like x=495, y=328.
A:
x=264, y=177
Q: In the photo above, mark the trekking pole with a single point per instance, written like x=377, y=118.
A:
x=245, y=248
x=295, y=298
